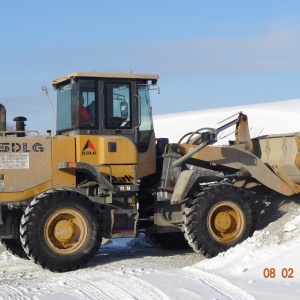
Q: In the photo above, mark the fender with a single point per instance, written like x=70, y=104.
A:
x=88, y=169
x=188, y=178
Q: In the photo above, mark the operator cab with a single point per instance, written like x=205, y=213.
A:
x=105, y=104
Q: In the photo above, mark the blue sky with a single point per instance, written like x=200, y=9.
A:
x=208, y=54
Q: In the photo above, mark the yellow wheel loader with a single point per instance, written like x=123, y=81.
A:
x=105, y=174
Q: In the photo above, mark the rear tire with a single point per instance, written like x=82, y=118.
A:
x=220, y=217
x=61, y=230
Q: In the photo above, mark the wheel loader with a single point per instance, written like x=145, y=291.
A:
x=103, y=174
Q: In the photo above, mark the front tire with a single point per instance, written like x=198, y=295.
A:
x=61, y=230
x=220, y=217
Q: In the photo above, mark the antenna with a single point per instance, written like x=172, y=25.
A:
x=44, y=89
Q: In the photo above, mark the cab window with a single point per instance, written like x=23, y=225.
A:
x=76, y=106
x=117, y=105
x=83, y=104
x=146, y=125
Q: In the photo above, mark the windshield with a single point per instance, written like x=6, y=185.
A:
x=76, y=107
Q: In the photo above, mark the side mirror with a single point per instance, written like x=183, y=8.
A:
x=124, y=110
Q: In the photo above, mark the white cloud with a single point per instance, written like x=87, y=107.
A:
x=271, y=50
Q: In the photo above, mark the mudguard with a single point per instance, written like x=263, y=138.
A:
x=188, y=178
x=87, y=168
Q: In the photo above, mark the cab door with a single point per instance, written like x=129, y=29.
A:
x=127, y=120
x=118, y=109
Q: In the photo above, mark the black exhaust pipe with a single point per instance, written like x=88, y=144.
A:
x=20, y=125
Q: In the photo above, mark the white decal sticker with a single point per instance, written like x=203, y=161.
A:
x=14, y=161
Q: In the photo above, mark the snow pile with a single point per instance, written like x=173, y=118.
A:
x=293, y=224
x=267, y=261
x=261, y=247
x=266, y=118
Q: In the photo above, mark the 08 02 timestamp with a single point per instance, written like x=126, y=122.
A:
x=272, y=272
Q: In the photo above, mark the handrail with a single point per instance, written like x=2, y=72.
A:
x=5, y=133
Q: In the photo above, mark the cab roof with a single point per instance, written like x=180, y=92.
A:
x=105, y=75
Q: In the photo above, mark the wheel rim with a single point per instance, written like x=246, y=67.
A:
x=225, y=221
x=65, y=231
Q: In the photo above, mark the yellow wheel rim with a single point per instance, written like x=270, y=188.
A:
x=65, y=231
x=225, y=221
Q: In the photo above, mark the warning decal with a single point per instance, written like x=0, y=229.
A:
x=14, y=161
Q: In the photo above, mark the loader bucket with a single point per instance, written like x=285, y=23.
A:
x=282, y=154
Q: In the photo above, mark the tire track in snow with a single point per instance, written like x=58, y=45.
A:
x=219, y=284
x=75, y=287
x=8, y=292
x=139, y=289
x=111, y=287
x=94, y=286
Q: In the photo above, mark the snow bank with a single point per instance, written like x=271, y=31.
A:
x=266, y=264
x=266, y=118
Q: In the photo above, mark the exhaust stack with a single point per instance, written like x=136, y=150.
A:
x=20, y=125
